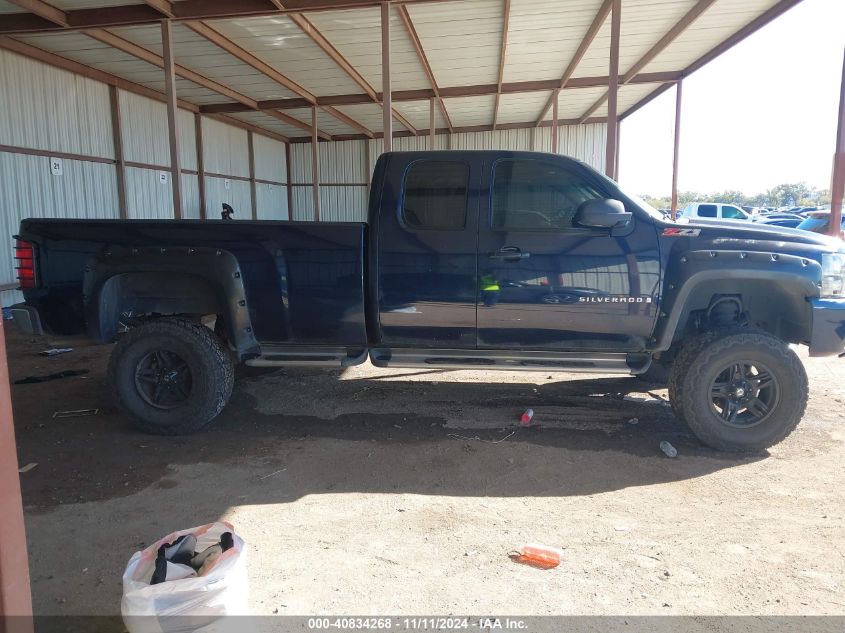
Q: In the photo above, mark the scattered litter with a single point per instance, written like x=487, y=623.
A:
x=471, y=552
x=527, y=417
x=78, y=413
x=634, y=421
x=68, y=373
x=540, y=556
x=668, y=449
x=386, y=560
x=622, y=528
x=272, y=474
x=27, y=468
x=199, y=573
x=657, y=396
x=396, y=426
x=55, y=351
x=667, y=573
x=478, y=439
x=629, y=398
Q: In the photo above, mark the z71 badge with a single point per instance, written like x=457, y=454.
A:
x=676, y=232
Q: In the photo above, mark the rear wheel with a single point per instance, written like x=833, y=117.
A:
x=743, y=391
x=171, y=376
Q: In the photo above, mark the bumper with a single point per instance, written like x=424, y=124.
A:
x=26, y=319
x=828, y=336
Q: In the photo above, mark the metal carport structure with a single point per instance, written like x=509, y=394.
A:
x=302, y=70
x=321, y=87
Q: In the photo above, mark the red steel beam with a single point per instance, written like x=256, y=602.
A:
x=386, y=86
x=15, y=595
x=172, y=116
x=837, y=187
x=423, y=94
x=41, y=16
x=502, y=50
x=315, y=164
x=677, y=147
x=613, y=90
x=588, y=38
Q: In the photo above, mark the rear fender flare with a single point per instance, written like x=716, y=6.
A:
x=119, y=279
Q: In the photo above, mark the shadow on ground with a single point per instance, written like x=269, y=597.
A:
x=397, y=439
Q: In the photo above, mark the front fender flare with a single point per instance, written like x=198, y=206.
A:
x=686, y=272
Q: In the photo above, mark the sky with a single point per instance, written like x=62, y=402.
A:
x=761, y=114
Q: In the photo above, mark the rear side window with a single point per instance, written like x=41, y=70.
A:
x=536, y=195
x=707, y=210
x=435, y=195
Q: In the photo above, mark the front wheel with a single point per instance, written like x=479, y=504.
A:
x=744, y=391
x=171, y=376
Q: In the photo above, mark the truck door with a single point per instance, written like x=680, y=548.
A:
x=547, y=283
x=426, y=252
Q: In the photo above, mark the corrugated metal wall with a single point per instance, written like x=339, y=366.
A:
x=50, y=110
x=54, y=111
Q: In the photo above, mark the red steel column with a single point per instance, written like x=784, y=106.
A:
x=289, y=185
x=15, y=597
x=678, y=91
x=315, y=163
x=431, y=123
x=386, y=88
x=555, y=96
x=172, y=116
x=837, y=186
x=613, y=88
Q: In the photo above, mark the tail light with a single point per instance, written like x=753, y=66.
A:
x=25, y=259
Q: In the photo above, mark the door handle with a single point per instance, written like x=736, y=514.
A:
x=509, y=254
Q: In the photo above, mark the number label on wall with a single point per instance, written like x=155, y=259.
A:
x=162, y=177
x=227, y=184
x=56, y=166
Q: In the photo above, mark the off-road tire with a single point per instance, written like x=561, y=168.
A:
x=689, y=349
x=209, y=363
x=700, y=365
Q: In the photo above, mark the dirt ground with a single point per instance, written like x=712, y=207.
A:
x=401, y=492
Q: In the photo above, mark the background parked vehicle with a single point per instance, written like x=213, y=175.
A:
x=714, y=211
x=818, y=222
x=784, y=220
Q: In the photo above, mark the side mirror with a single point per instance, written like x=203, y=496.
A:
x=604, y=213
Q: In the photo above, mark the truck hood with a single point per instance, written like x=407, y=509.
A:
x=751, y=236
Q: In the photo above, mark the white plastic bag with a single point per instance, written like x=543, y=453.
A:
x=188, y=604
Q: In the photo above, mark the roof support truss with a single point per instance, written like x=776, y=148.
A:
x=671, y=35
x=502, y=50
x=415, y=40
x=115, y=41
x=588, y=38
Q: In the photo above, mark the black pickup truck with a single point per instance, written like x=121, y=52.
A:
x=494, y=260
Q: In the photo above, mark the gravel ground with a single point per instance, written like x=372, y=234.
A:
x=401, y=492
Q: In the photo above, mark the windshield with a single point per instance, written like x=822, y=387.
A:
x=645, y=206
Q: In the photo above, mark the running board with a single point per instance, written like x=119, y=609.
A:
x=597, y=362
x=307, y=356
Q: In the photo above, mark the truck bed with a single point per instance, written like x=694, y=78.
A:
x=304, y=282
